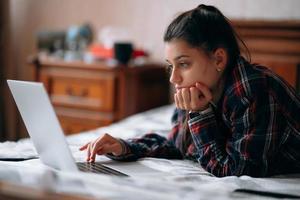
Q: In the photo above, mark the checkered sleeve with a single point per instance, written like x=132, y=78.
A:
x=150, y=145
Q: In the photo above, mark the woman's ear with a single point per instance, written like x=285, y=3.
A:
x=221, y=58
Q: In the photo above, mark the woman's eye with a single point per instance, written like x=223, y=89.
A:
x=183, y=65
x=169, y=68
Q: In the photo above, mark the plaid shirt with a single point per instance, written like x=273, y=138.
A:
x=253, y=130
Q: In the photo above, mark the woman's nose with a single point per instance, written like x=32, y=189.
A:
x=175, y=77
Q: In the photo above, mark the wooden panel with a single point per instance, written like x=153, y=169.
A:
x=287, y=71
x=150, y=86
x=83, y=93
x=78, y=120
x=275, y=44
x=72, y=125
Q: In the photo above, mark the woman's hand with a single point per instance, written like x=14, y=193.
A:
x=103, y=145
x=195, y=98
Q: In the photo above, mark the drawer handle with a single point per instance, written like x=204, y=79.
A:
x=83, y=92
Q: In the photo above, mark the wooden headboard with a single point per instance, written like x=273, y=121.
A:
x=275, y=44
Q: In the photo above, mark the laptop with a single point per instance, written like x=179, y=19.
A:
x=45, y=131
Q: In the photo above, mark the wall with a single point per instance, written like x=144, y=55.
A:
x=146, y=20
x=7, y=109
x=3, y=34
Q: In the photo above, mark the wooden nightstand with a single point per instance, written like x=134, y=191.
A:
x=87, y=96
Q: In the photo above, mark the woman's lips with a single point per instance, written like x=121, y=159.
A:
x=179, y=88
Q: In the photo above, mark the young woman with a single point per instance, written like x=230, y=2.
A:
x=233, y=117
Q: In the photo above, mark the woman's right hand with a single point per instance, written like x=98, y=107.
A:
x=194, y=98
x=102, y=145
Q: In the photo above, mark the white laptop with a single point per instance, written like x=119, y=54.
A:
x=45, y=131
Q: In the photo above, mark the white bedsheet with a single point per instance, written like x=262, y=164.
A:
x=177, y=179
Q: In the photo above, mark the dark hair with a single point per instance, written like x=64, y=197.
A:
x=206, y=27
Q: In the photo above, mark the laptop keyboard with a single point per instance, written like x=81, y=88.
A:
x=98, y=168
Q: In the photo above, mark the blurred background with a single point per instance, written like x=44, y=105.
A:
x=78, y=34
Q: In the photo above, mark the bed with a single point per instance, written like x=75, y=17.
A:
x=170, y=179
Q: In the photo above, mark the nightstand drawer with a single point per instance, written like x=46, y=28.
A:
x=72, y=125
x=78, y=120
x=97, y=94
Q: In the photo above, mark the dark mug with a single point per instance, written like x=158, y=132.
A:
x=123, y=52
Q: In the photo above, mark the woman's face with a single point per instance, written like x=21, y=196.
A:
x=189, y=65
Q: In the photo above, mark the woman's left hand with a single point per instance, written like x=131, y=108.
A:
x=195, y=98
